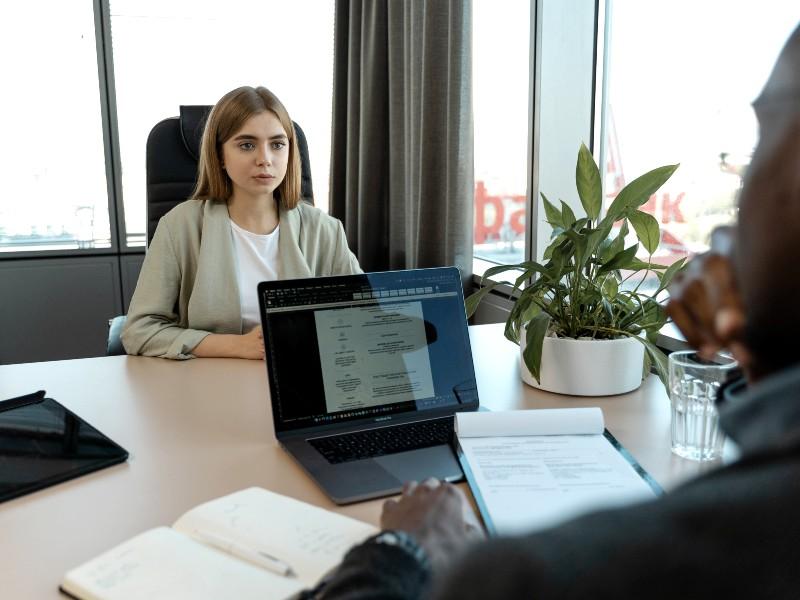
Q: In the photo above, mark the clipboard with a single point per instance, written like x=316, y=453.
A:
x=481, y=501
x=42, y=443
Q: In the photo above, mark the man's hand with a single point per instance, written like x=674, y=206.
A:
x=706, y=306
x=437, y=515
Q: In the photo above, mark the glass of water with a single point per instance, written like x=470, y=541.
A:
x=693, y=386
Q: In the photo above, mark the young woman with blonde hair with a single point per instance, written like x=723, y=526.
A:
x=245, y=223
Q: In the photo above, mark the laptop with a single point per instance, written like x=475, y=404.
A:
x=365, y=374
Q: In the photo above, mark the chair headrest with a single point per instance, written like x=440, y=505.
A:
x=193, y=121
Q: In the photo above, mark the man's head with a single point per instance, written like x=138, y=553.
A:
x=768, y=232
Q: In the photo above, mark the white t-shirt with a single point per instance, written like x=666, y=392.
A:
x=256, y=260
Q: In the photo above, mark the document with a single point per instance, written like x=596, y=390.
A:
x=373, y=355
x=534, y=469
x=253, y=544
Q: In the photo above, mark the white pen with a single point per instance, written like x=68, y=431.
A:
x=251, y=555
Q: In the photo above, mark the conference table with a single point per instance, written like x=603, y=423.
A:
x=202, y=428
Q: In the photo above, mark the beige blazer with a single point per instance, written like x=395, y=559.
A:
x=188, y=288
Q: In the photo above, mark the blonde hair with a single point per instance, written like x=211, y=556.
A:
x=226, y=118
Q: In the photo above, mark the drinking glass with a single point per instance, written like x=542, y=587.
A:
x=693, y=386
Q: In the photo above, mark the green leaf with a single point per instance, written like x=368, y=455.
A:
x=528, y=274
x=530, y=312
x=535, y=331
x=610, y=287
x=597, y=239
x=617, y=245
x=492, y=271
x=604, y=250
x=513, y=322
x=647, y=366
x=608, y=308
x=552, y=214
x=624, y=230
x=567, y=215
x=561, y=256
x=640, y=265
x=638, y=191
x=548, y=253
x=659, y=360
x=474, y=300
x=579, y=225
x=634, y=309
x=620, y=260
x=587, y=178
x=646, y=228
x=671, y=271
x=579, y=244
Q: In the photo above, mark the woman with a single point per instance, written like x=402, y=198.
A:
x=196, y=294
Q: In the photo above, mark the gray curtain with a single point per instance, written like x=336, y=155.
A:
x=401, y=166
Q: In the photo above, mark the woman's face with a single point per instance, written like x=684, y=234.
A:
x=255, y=157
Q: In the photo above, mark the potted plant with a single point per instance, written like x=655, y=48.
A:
x=580, y=329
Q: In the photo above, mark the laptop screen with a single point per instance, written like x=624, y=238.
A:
x=366, y=347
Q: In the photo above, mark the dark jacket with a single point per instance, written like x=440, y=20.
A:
x=732, y=533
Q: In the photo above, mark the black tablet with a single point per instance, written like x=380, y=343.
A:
x=42, y=443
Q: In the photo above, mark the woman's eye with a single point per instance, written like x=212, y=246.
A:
x=278, y=145
x=247, y=146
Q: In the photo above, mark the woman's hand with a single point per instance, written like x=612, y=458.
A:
x=217, y=345
x=252, y=344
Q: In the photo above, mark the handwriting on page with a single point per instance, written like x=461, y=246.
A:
x=108, y=575
x=320, y=541
x=307, y=538
x=306, y=531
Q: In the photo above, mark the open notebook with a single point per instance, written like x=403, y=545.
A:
x=251, y=544
x=532, y=469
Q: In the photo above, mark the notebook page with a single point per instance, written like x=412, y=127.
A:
x=309, y=539
x=163, y=564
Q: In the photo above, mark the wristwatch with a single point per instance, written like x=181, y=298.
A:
x=404, y=541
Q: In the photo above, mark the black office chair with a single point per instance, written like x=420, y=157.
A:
x=173, y=149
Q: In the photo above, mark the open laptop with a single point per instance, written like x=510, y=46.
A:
x=365, y=375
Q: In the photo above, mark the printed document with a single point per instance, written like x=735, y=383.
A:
x=373, y=355
x=536, y=468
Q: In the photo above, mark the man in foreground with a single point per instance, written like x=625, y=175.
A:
x=731, y=533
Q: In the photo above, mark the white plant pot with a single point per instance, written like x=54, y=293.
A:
x=587, y=367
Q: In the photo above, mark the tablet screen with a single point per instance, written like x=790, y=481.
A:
x=42, y=443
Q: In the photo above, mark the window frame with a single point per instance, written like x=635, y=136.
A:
x=562, y=69
x=565, y=51
x=108, y=117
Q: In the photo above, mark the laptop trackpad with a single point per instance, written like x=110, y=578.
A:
x=418, y=465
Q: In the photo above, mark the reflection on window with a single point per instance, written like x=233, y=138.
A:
x=679, y=91
x=52, y=161
x=193, y=51
x=500, y=42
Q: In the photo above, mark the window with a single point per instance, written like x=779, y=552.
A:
x=189, y=52
x=52, y=160
x=679, y=91
x=501, y=41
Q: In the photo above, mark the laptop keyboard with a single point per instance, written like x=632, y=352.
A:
x=384, y=440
